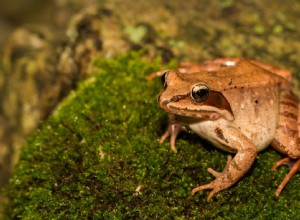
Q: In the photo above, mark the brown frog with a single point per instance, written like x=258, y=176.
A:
x=241, y=106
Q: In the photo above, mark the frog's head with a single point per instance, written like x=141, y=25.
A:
x=190, y=95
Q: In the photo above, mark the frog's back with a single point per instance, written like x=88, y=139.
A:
x=243, y=74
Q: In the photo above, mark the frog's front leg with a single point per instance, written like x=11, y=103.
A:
x=173, y=129
x=235, y=168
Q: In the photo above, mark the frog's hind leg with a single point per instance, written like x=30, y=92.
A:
x=287, y=136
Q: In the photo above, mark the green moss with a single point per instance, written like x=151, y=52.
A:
x=101, y=145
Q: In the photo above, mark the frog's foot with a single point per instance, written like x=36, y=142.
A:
x=294, y=167
x=216, y=185
x=174, y=128
x=212, y=185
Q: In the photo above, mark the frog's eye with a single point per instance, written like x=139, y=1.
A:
x=164, y=79
x=200, y=93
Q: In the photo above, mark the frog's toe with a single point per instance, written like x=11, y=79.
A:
x=207, y=186
x=167, y=134
x=164, y=136
x=217, y=174
x=173, y=148
x=213, y=172
x=174, y=128
x=294, y=165
x=203, y=187
x=285, y=161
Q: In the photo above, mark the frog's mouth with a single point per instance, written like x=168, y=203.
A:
x=192, y=109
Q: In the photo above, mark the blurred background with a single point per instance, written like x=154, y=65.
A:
x=15, y=13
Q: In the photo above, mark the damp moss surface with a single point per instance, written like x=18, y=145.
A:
x=98, y=157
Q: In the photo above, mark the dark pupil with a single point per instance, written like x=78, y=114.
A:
x=202, y=93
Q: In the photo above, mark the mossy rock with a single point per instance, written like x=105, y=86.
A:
x=98, y=157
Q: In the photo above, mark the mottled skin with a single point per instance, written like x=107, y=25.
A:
x=241, y=106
